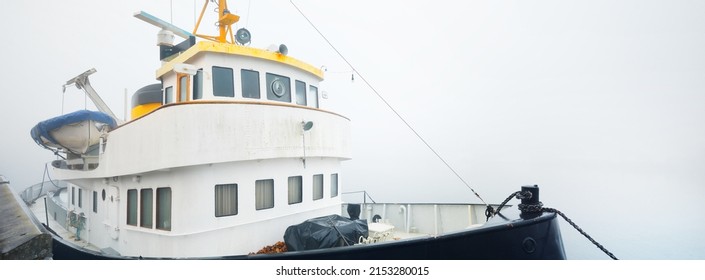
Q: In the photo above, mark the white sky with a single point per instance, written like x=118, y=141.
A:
x=601, y=103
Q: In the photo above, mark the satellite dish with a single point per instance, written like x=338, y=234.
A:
x=307, y=125
x=243, y=36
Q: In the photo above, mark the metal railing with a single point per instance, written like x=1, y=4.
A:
x=365, y=195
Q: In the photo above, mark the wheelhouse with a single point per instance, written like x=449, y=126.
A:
x=212, y=71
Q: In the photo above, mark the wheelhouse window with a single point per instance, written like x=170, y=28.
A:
x=333, y=185
x=278, y=88
x=295, y=189
x=300, y=93
x=225, y=200
x=132, y=207
x=198, y=85
x=146, y=208
x=264, y=194
x=223, y=84
x=169, y=95
x=73, y=195
x=164, y=208
x=250, y=83
x=317, y=186
x=313, y=96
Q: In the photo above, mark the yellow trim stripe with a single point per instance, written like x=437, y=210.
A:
x=227, y=48
x=141, y=110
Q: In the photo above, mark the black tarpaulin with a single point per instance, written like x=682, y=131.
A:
x=324, y=232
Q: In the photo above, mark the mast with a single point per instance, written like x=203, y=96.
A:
x=224, y=23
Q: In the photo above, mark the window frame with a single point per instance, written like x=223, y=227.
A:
x=161, y=217
x=80, y=198
x=197, y=90
x=298, y=189
x=183, y=84
x=270, y=79
x=169, y=95
x=228, y=85
x=132, y=217
x=316, y=188
x=301, y=92
x=268, y=201
x=334, y=185
x=236, y=199
x=95, y=202
x=146, y=212
x=314, y=94
x=246, y=83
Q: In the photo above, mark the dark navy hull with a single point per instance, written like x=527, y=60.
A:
x=500, y=239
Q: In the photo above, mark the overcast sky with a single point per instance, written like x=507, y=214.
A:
x=600, y=103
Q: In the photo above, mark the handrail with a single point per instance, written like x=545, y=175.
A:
x=365, y=195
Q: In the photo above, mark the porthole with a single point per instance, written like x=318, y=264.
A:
x=102, y=194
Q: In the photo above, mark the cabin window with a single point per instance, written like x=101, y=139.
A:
x=146, y=208
x=198, y=85
x=278, y=88
x=225, y=200
x=132, y=207
x=250, y=83
x=95, y=202
x=73, y=195
x=295, y=189
x=183, y=88
x=300, y=93
x=80, y=198
x=169, y=95
x=333, y=185
x=264, y=194
x=223, y=84
x=313, y=96
x=317, y=186
x=164, y=208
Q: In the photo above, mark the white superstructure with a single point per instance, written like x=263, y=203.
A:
x=219, y=159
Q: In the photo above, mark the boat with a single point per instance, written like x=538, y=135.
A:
x=229, y=153
x=74, y=132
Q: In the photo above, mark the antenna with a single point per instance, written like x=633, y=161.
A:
x=162, y=24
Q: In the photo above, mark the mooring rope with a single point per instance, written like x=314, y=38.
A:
x=552, y=210
x=538, y=208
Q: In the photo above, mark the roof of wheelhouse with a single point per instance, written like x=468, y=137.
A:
x=233, y=49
